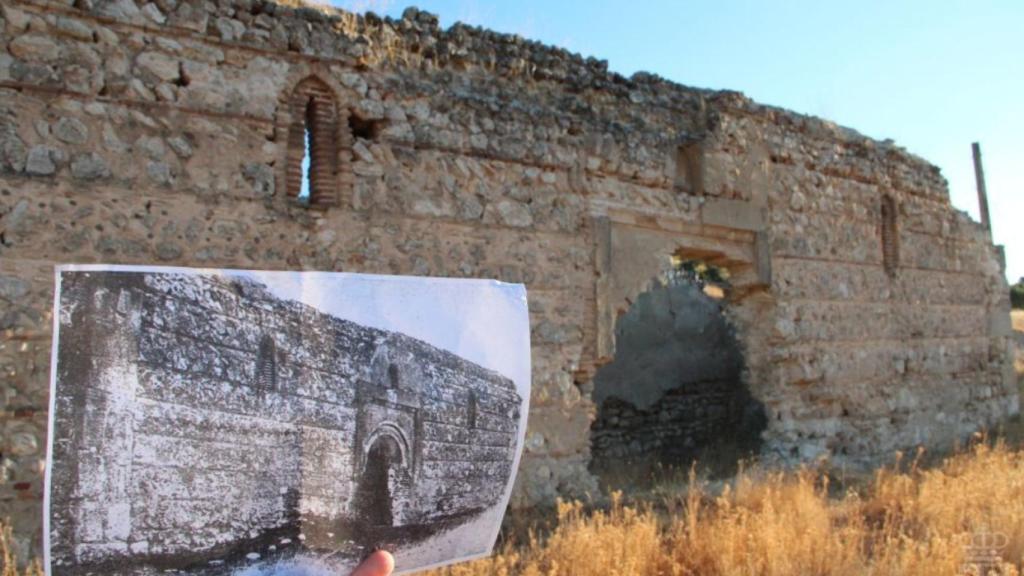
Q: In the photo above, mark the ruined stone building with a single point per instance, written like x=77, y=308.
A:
x=196, y=414
x=860, y=313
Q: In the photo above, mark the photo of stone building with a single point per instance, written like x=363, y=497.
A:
x=201, y=422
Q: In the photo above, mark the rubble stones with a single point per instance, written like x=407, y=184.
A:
x=74, y=28
x=12, y=151
x=180, y=146
x=260, y=177
x=158, y=65
x=151, y=147
x=13, y=288
x=514, y=213
x=159, y=173
x=153, y=13
x=41, y=162
x=34, y=48
x=71, y=131
x=229, y=29
x=118, y=9
x=23, y=444
x=89, y=166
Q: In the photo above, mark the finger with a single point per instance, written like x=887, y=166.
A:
x=380, y=563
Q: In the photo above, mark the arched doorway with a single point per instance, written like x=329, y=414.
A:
x=375, y=492
x=674, y=391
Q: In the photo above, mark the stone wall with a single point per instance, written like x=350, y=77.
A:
x=683, y=420
x=183, y=433
x=1018, y=344
x=159, y=132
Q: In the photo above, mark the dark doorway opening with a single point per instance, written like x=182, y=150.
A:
x=674, y=392
x=383, y=461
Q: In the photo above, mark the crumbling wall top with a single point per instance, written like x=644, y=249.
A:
x=417, y=41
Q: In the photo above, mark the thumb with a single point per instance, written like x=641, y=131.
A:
x=380, y=563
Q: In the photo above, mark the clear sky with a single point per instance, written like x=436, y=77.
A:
x=458, y=315
x=933, y=75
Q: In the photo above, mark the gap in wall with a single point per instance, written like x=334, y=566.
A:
x=674, y=393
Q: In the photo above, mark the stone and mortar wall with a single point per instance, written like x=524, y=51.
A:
x=684, y=420
x=199, y=451
x=865, y=362
x=138, y=132
x=1018, y=343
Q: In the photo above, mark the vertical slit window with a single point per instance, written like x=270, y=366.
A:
x=266, y=364
x=393, y=377
x=307, y=144
x=890, y=235
x=312, y=169
x=471, y=409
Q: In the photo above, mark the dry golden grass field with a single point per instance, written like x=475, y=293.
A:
x=964, y=513
x=1018, y=320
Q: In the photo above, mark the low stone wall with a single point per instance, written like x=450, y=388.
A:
x=694, y=416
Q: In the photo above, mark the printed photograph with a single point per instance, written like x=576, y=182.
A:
x=237, y=422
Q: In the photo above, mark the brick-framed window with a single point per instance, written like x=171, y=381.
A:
x=266, y=364
x=313, y=145
x=890, y=234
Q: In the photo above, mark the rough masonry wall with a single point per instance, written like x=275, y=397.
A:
x=864, y=362
x=153, y=133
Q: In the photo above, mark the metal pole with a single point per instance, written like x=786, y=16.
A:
x=979, y=178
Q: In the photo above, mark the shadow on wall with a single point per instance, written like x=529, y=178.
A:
x=674, y=392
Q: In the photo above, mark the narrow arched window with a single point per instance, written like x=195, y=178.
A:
x=890, y=235
x=312, y=169
x=266, y=364
x=471, y=409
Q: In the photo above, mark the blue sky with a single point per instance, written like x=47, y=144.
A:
x=932, y=75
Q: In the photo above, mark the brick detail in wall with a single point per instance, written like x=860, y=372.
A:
x=314, y=114
x=266, y=364
x=890, y=235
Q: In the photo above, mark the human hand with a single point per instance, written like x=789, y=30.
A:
x=380, y=563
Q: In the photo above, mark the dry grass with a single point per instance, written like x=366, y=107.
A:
x=8, y=563
x=905, y=520
x=1017, y=317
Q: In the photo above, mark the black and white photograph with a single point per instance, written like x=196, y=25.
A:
x=245, y=422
